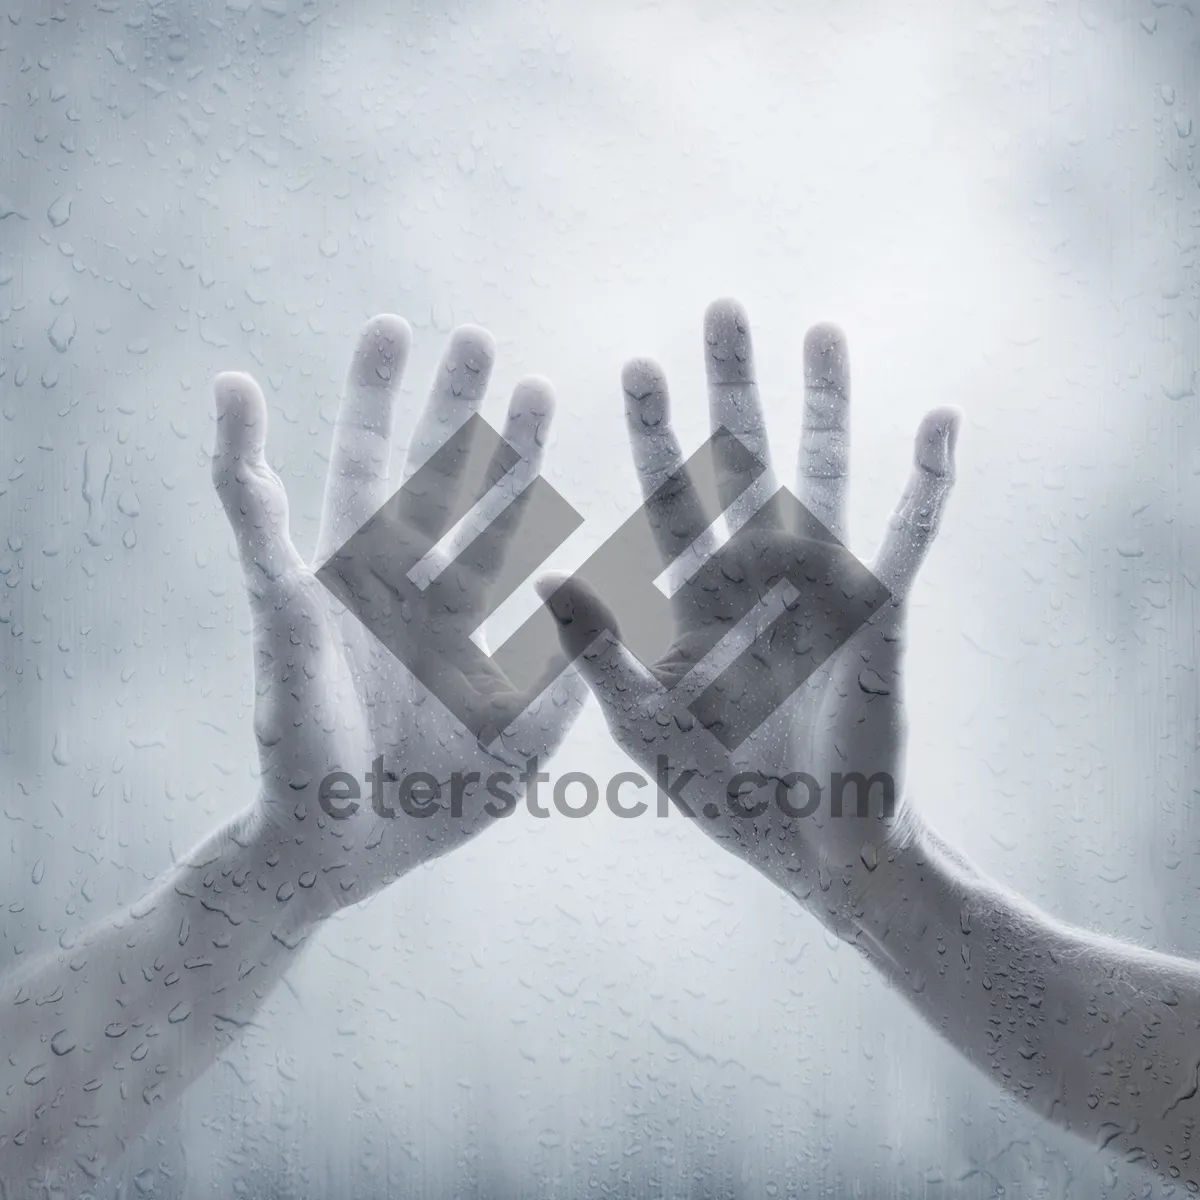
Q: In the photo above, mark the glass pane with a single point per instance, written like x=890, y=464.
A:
x=995, y=203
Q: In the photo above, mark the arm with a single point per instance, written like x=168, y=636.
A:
x=1099, y=1036
x=95, y=1036
x=101, y=1034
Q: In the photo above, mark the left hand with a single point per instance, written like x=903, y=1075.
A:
x=328, y=696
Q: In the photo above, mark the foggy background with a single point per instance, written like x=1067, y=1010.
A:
x=996, y=201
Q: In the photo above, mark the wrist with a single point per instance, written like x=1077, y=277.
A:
x=853, y=886
x=915, y=896
x=282, y=879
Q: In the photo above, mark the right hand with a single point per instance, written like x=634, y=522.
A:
x=847, y=718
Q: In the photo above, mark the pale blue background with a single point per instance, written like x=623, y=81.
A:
x=998, y=203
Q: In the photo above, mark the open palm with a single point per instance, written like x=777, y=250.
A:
x=329, y=697
x=786, y=797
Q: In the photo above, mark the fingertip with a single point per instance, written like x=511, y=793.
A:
x=725, y=315
x=563, y=598
x=574, y=603
x=642, y=374
x=387, y=325
x=235, y=390
x=824, y=336
x=383, y=346
x=546, y=585
x=727, y=337
x=533, y=397
x=473, y=346
x=645, y=386
x=825, y=355
x=937, y=438
x=948, y=415
x=241, y=413
x=530, y=416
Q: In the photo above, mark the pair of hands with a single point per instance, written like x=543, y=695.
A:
x=1055, y=1015
x=329, y=697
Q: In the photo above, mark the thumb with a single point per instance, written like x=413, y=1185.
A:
x=918, y=516
x=591, y=638
x=252, y=494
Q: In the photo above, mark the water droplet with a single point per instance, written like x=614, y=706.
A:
x=62, y=332
x=97, y=466
x=59, y=213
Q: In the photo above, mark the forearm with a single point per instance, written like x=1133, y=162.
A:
x=96, y=1037
x=1100, y=1036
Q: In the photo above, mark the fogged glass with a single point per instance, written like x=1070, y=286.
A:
x=996, y=202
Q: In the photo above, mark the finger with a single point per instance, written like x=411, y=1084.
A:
x=676, y=511
x=489, y=532
x=457, y=391
x=357, y=482
x=291, y=667
x=590, y=638
x=526, y=430
x=824, y=446
x=527, y=426
x=915, y=522
x=251, y=493
x=733, y=402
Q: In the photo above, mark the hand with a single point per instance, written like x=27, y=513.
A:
x=329, y=697
x=846, y=723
